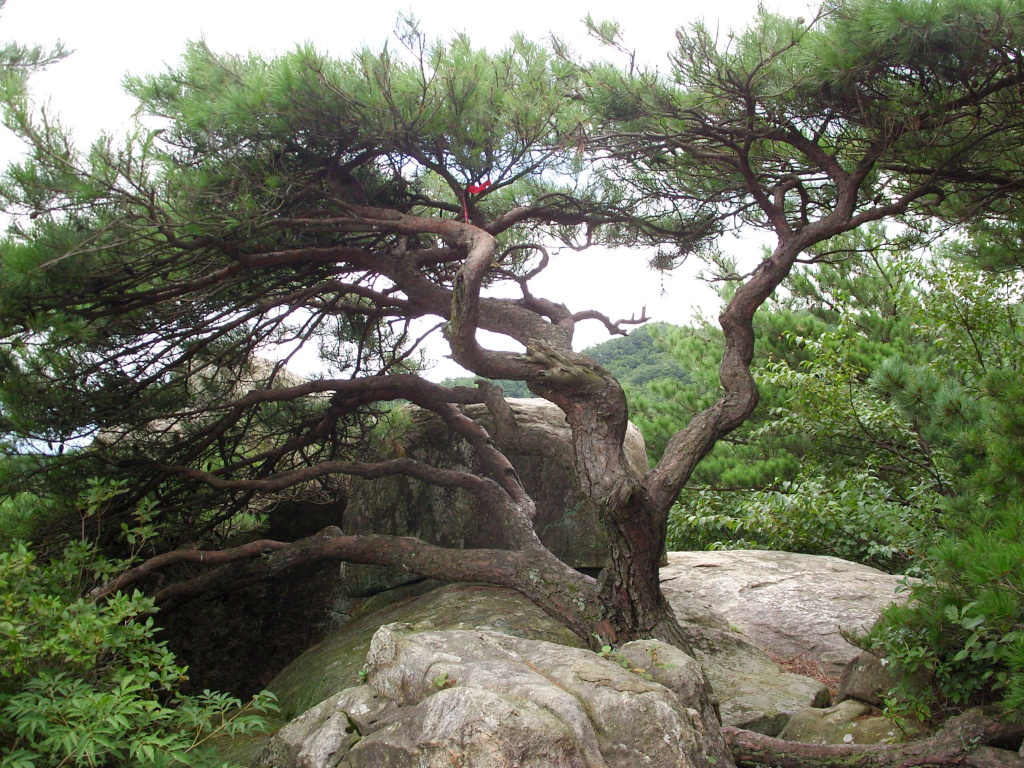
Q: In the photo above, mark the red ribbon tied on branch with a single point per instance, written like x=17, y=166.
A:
x=473, y=189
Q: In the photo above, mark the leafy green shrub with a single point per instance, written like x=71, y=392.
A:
x=84, y=683
x=852, y=518
x=959, y=641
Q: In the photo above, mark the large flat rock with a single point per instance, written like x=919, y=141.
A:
x=753, y=691
x=334, y=664
x=490, y=700
x=790, y=605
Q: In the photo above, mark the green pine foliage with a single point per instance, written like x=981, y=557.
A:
x=959, y=641
x=828, y=463
x=239, y=157
x=905, y=380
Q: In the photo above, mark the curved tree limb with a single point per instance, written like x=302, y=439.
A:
x=564, y=593
x=613, y=327
x=511, y=435
x=952, y=746
x=211, y=557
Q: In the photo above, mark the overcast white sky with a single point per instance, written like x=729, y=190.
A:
x=111, y=37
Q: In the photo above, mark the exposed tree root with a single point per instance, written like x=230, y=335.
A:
x=964, y=741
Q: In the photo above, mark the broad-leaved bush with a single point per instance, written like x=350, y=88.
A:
x=86, y=683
